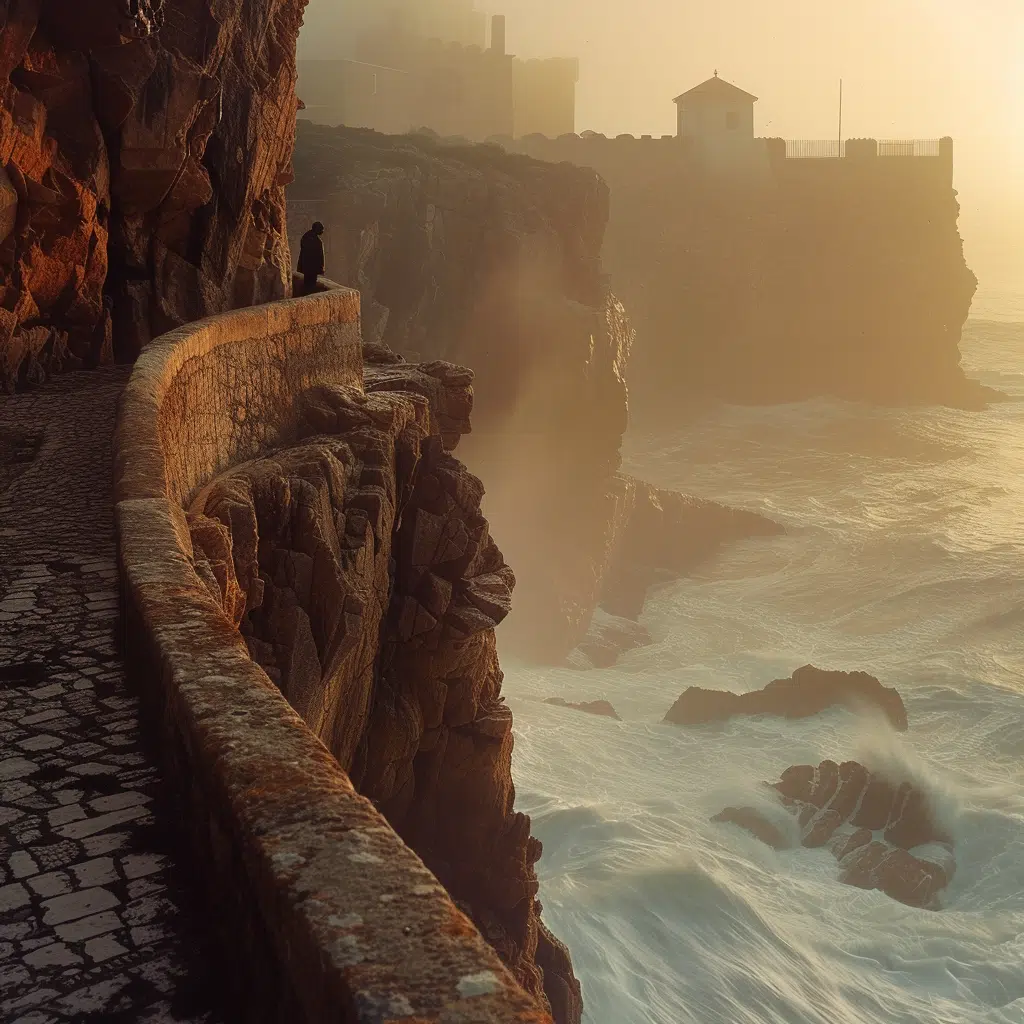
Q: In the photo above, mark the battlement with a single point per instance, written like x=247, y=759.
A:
x=925, y=158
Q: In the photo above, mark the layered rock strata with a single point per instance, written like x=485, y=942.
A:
x=144, y=149
x=869, y=823
x=809, y=691
x=361, y=573
x=494, y=261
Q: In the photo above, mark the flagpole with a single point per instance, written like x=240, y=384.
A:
x=840, y=117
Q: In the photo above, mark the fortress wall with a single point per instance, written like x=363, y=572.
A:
x=787, y=279
x=328, y=915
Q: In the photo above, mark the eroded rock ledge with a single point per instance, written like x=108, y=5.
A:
x=361, y=572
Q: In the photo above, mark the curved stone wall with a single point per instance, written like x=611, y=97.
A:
x=327, y=915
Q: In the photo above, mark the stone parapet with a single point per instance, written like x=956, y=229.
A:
x=325, y=914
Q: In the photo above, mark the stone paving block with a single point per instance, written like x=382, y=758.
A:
x=71, y=756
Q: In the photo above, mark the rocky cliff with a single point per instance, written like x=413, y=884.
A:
x=803, y=277
x=493, y=260
x=361, y=572
x=144, y=148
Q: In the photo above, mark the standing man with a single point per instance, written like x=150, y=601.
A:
x=311, y=257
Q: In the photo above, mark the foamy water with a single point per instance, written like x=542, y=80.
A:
x=905, y=558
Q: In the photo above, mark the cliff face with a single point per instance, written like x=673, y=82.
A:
x=493, y=260
x=471, y=255
x=807, y=277
x=144, y=148
x=362, y=575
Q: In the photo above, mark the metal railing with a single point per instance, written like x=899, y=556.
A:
x=833, y=149
x=908, y=147
x=815, y=149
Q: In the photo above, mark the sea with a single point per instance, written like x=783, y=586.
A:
x=903, y=557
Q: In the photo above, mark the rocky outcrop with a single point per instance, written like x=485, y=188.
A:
x=663, y=535
x=607, y=638
x=361, y=572
x=593, y=707
x=809, y=691
x=493, y=261
x=144, y=149
x=870, y=823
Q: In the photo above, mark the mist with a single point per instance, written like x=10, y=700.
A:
x=910, y=69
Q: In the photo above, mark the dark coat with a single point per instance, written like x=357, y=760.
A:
x=311, y=254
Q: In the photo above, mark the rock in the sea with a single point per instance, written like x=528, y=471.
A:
x=608, y=637
x=870, y=824
x=593, y=707
x=807, y=692
x=757, y=824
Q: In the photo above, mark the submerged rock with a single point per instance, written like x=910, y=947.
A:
x=807, y=692
x=594, y=707
x=844, y=807
x=757, y=824
x=608, y=637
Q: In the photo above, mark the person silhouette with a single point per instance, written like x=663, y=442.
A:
x=311, y=258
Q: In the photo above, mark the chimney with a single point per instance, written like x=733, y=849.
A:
x=498, y=35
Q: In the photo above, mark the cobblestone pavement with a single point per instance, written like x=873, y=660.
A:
x=94, y=918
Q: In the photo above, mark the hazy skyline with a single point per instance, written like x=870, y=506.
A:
x=910, y=69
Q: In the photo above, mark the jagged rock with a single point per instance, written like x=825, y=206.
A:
x=365, y=581
x=843, y=807
x=808, y=691
x=145, y=158
x=466, y=253
x=593, y=707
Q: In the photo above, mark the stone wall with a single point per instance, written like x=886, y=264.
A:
x=328, y=915
x=803, y=277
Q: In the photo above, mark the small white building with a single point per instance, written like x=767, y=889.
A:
x=717, y=118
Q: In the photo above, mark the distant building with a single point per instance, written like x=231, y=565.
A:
x=402, y=79
x=717, y=119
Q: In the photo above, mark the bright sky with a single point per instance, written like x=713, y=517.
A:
x=910, y=69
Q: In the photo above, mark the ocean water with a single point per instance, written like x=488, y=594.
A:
x=905, y=558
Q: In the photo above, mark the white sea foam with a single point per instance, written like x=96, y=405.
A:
x=905, y=558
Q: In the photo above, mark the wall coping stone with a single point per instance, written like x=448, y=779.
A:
x=352, y=925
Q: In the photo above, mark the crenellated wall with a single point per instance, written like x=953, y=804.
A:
x=250, y=447
x=780, y=278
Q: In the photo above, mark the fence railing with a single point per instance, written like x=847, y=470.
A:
x=833, y=149
x=908, y=147
x=815, y=149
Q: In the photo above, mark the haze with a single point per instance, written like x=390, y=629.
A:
x=911, y=69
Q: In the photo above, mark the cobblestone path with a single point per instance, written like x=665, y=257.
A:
x=94, y=921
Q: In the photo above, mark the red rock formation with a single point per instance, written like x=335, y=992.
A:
x=363, y=576
x=843, y=806
x=144, y=148
x=807, y=692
